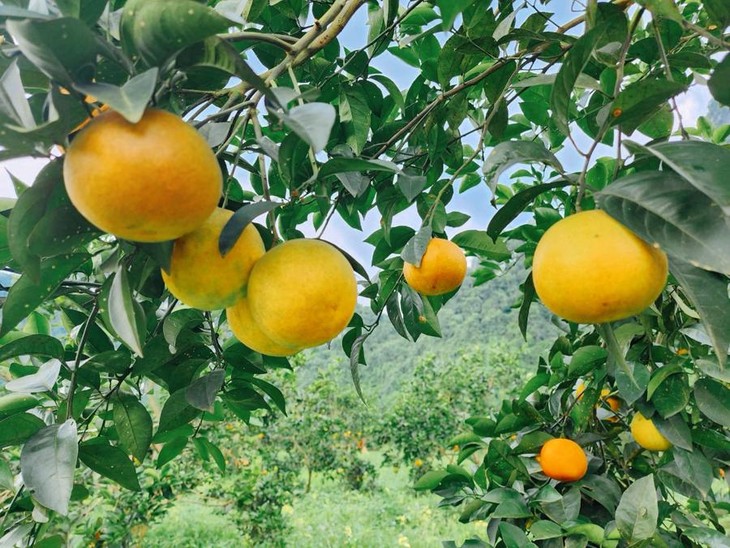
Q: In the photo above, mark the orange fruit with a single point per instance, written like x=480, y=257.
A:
x=302, y=293
x=148, y=182
x=647, y=435
x=246, y=330
x=442, y=269
x=563, y=459
x=589, y=268
x=200, y=277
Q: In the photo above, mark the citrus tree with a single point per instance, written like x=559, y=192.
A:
x=117, y=275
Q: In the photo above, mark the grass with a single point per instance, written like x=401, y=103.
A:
x=390, y=514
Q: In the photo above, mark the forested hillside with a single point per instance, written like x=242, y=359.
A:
x=478, y=318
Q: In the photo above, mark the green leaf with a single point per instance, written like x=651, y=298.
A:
x=638, y=511
x=516, y=205
x=129, y=100
x=675, y=429
x=586, y=359
x=43, y=380
x=312, y=122
x=64, y=49
x=662, y=8
x=355, y=355
x=544, y=529
x=122, y=312
x=531, y=442
x=176, y=412
x=410, y=185
x=215, y=453
x=481, y=244
x=704, y=536
x=235, y=226
x=415, y=247
x=61, y=230
x=719, y=12
x=157, y=29
x=713, y=399
x=17, y=428
x=25, y=296
x=703, y=165
x=171, y=450
x=509, y=153
x=632, y=383
x=110, y=462
x=688, y=473
x=574, y=63
x=450, y=9
x=670, y=394
x=359, y=165
x=202, y=392
x=47, y=462
x=33, y=345
x=273, y=392
x=13, y=103
x=514, y=537
x=430, y=480
x=133, y=424
x=354, y=114
x=160, y=252
x=641, y=100
x=11, y=404
x=6, y=476
x=664, y=209
x=528, y=296
x=707, y=292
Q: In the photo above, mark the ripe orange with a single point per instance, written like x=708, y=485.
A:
x=200, y=277
x=589, y=268
x=302, y=293
x=442, y=269
x=149, y=182
x=563, y=459
x=246, y=330
x=647, y=435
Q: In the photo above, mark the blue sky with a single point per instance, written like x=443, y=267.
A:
x=475, y=202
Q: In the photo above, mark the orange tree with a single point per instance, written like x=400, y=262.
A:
x=305, y=129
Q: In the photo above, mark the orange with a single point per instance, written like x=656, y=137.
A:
x=246, y=330
x=302, y=293
x=442, y=269
x=647, y=435
x=589, y=268
x=563, y=459
x=149, y=182
x=200, y=277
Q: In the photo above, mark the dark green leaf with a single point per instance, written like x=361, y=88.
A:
x=675, y=429
x=354, y=114
x=239, y=221
x=516, y=205
x=129, y=100
x=176, y=412
x=586, y=359
x=344, y=165
x=528, y=296
x=662, y=8
x=514, y=537
x=430, y=480
x=450, y=9
x=11, y=404
x=688, y=473
x=171, y=450
x=122, y=312
x=481, y=244
x=640, y=100
x=60, y=230
x=110, y=462
x=410, y=185
x=633, y=381
x=160, y=252
x=509, y=153
x=312, y=122
x=415, y=247
x=713, y=399
x=17, y=428
x=671, y=395
x=133, y=424
x=202, y=392
x=33, y=345
x=719, y=12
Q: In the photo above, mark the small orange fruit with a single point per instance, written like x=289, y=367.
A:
x=647, y=435
x=563, y=459
x=442, y=269
x=589, y=268
x=200, y=277
x=151, y=181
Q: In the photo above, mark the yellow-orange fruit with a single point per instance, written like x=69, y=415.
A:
x=246, y=330
x=148, y=182
x=646, y=434
x=563, y=459
x=302, y=293
x=589, y=268
x=442, y=269
x=200, y=277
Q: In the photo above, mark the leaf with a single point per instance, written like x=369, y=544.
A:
x=516, y=205
x=25, y=296
x=122, y=313
x=632, y=384
x=11, y=404
x=13, y=102
x=176, y=412
x=171, y=450
x=671, y=395
x=664, y=209
x=410, y=185
x=585, y=360
x=64, y=49
x=16, y=429
x=42, y=381
x=718, y=11
x=675, y=429
x=129, y=100
x=61, y=230
x=638, y=511
x=514, y=537
x=215, y=453
x=509, y=153
x=430, y=480
x=355, y=355
x=133, y=424
x=202, y=392
x=157, y=29
x=110, y=462
x=159, y=252
x=662, y=8
x=359, y=165
x=481, y=244
x=32, y=345
x=239, y=221
x=688, y=473
x=708, y=294
x=415, y=248
x=47, y=462
x=528, y=296
x=354, y=114
x=574, y=63
x=713, y=399
x=640, y=100
x=450, y=9
x=312, y=122
x=583, y=81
